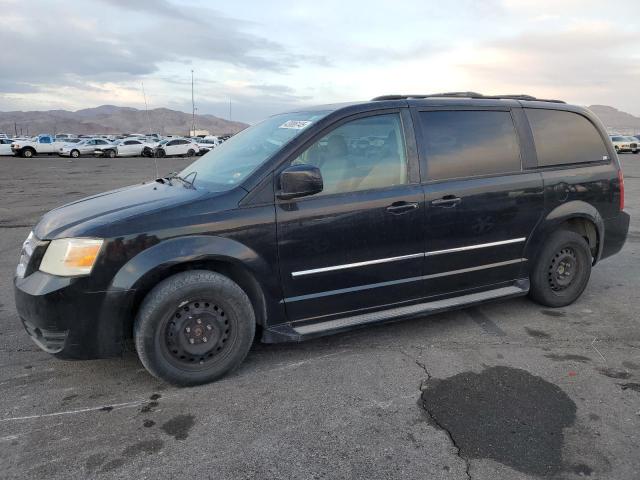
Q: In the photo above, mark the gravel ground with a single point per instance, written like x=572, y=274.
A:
x=507, y=390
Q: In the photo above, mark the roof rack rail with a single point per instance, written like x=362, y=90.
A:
x=465, y=95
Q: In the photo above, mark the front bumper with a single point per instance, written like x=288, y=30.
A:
x=64, y=319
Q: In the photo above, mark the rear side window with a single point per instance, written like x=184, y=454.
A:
x=461, y=143
x=565, y=137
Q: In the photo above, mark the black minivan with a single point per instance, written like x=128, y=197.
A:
x=334, y=217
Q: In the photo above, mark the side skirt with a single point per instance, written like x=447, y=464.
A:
x=294, y=333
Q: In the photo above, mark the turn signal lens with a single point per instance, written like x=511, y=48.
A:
x=69, y=257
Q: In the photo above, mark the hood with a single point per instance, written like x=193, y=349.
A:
x=90, y=216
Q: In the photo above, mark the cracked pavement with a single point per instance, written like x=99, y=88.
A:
x=402, y=400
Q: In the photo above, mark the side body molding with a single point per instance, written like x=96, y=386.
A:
x=560, y=214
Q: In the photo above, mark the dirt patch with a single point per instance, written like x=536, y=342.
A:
x=532, y=332
x=568, y=358
x=179, y=426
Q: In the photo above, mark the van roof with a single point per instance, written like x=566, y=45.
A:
x=472, y=95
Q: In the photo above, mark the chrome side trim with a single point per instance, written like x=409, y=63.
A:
x=474, y=269
x=473, y=247
x=427, y=307
x=328, y=293
x=354, y=265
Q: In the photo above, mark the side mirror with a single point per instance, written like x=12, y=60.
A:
x=300, y=181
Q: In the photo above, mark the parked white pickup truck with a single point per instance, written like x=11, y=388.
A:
x=28, y=148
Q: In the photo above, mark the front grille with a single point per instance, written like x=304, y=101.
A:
x=51, y=341
x=634, y=145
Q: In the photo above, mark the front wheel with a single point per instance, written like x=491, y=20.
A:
x=74, y=153
x=562, y=269
x=27, y=153
x=194, y=327
x=191, y=153
x=111, y=154
x=160, y=153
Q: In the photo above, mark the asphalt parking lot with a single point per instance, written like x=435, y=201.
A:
x=507, y=390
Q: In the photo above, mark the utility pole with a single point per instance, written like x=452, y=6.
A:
x=193, y=107
x=15, y=128
x=146, y=108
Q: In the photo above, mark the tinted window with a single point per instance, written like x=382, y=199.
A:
x=469, y=143
x=100, y=142
x=617, y=139
x=360, y=155
x=564, y=137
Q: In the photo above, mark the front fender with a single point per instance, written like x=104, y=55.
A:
x=559, y=215
x=189, y=249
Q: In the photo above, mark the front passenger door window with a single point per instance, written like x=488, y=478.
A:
x=362, y=154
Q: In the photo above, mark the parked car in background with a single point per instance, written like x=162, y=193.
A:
x=83, y=147
x=60, y=142
x=5, y=146
x=634, y=144
x=129, y=147
x=176, y=146
x=623, y=144
x=207, y=143
x=42, y=144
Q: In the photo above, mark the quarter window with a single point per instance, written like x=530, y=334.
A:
x=563, y=137
x=461, y=143
x=360, y=155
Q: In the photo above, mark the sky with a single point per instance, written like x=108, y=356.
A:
x=266, y=57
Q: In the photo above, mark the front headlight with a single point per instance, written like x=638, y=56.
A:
x=70, y=257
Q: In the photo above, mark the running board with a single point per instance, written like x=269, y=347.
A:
x=521, y=288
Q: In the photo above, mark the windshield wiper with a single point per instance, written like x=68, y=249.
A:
x=185, y=180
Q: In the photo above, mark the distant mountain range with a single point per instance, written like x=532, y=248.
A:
x=617, y=120
x=113, y=119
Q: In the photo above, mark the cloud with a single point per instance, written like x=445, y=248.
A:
x=112, y=46
x=581, y=60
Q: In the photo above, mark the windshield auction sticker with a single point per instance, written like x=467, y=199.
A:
x=295, y=124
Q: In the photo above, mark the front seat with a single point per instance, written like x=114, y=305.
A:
x=390, y=169
x=337, y=165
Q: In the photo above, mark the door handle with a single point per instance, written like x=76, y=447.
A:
x=398, y=208
x=447, y=201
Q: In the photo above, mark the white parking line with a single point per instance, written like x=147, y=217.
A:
x=113, y=406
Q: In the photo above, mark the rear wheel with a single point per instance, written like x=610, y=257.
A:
x=562, y=269
x=194, y=327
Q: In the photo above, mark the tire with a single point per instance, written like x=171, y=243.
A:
x=636, y=152
x=160, y=153
x=172, y=343
x=191, y=152
x=27, y=153
x=74, y=153
x=111, y=153
x=562, y=269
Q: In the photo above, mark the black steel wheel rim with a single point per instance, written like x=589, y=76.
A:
x=197, y=333
x=563, y=269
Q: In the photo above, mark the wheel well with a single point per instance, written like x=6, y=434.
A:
x=235, y=272
x=587, y=229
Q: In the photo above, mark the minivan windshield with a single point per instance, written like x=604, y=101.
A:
x=230, y=163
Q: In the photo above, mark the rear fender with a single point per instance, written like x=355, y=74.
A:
x=562, y=214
